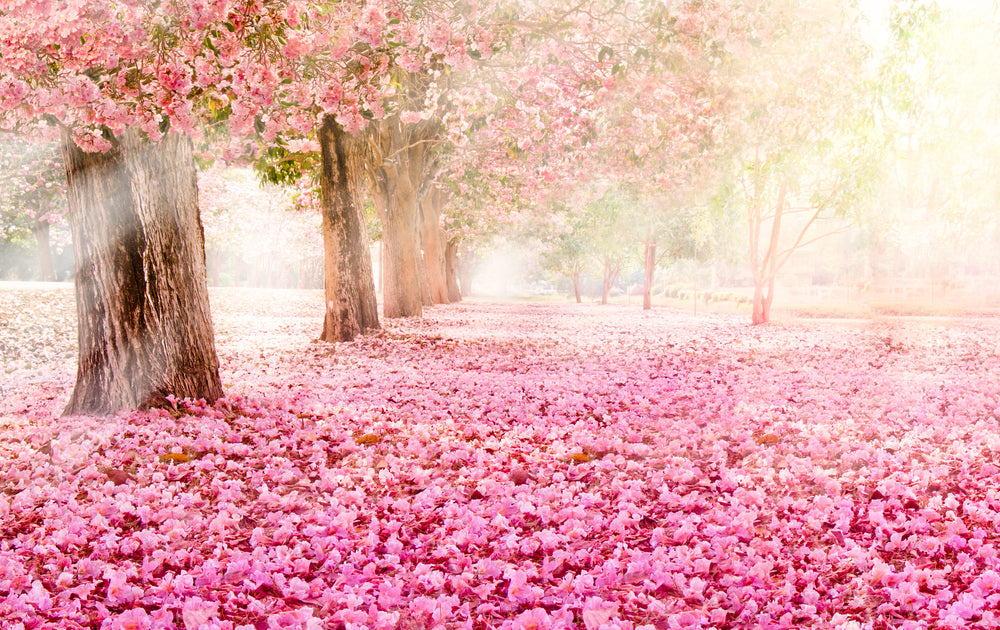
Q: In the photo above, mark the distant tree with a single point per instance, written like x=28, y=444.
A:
x=938, y=86
x=566, y=248
x=801, y=129
x=610, y=229
x=32, y=196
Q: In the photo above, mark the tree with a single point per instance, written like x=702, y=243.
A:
x=33, y=194
x=144, y=327
x=349, y=286
x=142, y=299
x=434, y=246
x=937, y=90
x=609, y=230
x=398, y=173
x=801, y=132
x=567, y=250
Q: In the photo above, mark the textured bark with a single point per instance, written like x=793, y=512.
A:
x=431, y=241
x=145, y=331
x=398, y=171
x=649, y=257
x=41, y=231
x=451, y=270
x=401, y=292
x=396, y=185
x=351, y=306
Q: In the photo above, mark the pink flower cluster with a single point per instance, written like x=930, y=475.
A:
x=516, y=466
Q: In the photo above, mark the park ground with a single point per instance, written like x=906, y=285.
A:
x=511, y=465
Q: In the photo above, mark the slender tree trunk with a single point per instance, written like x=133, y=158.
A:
x=650, y=264
x=214, y=262
x=466, y=263
x=610, y=275
x=765, y=268
x=349, y=286
x=425, y=287
x=431, y=240
x=41, y=231
x=451, y=270
x=144, y=327
x=761, y=305
x=575, y=279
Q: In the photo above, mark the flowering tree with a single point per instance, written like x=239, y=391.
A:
x=129, y=84
x=800, y=130
x=33, y=194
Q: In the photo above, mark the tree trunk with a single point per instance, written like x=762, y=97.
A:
x=41, y=231
x=610, y=275
x=425, y=287
x=764, y=268
x=451, y=270
x=398, y=170
x=214, y=261
x=430, y=238
x=650, y=260
x=144, y=331
x=465, y=265
x=762, y=298
x=575, y=278
x=349, y=286
x=402, y=294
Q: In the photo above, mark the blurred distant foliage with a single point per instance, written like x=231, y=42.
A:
x=32, y=207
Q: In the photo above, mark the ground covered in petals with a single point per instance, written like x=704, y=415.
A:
x=510, y=466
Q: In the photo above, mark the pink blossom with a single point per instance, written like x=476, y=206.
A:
x=197, y=612
x=132, y=619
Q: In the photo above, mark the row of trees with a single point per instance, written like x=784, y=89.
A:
x=345, y=92
x=828, y=120
x=449, y=119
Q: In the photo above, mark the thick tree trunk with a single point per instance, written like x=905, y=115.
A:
x=650, y=264
x=451, y=270
x=351, y=306
x=41, y=231
x=145, y=331
x=402, y=294
x=431, y=241
x=399, y=168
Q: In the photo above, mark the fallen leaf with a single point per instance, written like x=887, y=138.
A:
x=117, y=476
x=768, y=439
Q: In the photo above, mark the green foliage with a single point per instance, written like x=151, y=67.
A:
x=277, y=165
